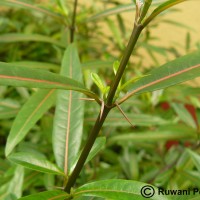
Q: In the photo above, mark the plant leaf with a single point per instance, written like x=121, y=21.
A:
x=184, y=115
x=116, y=119
x=25, y=5
x=195, y=158
x=48, y=195
x=37, y=65
x=115, y=189
x=116, y=10
x=154, y=136
x=164, y=6
x=35, y=162
x=113, y=11
x=177, y=71
x=35, y=78
x=16, y=183
x=97, y=64
x=7, y=113
x=117, y=37
x=97, y=80
x=30, y=113
x=21, y=37
x=68, y=122
x=98, y=146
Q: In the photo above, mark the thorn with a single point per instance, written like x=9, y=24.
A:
x=124, y=115
x=102, y=109
x=87, y=99
x=55, y=187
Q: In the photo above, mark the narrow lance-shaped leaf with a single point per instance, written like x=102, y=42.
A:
x=113, y=11
x=34, y=78
x=35, y=162
x=37, y=65
x=117, y=119
x=21, y=37
x=195, y=158
x=68, y=122
x=8, y=108
x=26, y=5
x=153, y=136
x=117, y=189
x=16, y=184
x=98, y=146
x=48, y=195
x=164, y=6
x=184, y=115
x=30, y=113
x=177, y=71
x=117, y=10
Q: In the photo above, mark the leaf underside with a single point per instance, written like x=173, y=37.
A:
x=177, y=71
x=68, y=121
x=30, y=113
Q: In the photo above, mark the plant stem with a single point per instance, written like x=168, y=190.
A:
x=91, y=139
x=73, y=22
x=137, y=29
x=102, y=116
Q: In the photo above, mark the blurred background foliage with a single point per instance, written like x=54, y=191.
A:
x=34, y=34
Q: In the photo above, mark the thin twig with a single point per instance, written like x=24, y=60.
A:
x=87, y=99
x=102, y=109
x=128, y=120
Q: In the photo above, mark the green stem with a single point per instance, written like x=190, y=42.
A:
x=102, y=116
x=73, y=22
x=88, y=146
x=131, y=44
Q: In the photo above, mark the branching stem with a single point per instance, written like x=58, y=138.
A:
x=91, y=139
x=137, y=29
x=131, y=44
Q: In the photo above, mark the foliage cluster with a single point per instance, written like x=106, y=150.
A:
x=57, y=70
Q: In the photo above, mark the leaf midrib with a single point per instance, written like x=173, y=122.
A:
x=68, y=120
x=157, y=81
x=37, y=108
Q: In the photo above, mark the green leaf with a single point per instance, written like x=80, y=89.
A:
x=177, y=71
x=48, y=195
x=164, y=6
x=35, y=78
x=193, y=176
x=7, y=113
x=147, y=4
x=116, y=10
x=117, y=119
x=16, y=183
x=97, y=80
x=37, y=65
x=97, y=64
x=184, y=115
x=195, y=158
x=113, y=11
x=153, y=136
x=96, y=148
x=117, y=37
x=68, y=121
x=30, y=113
x=116, y=189
x=116, y=66
x=35, y=162
x=25, y=5
x=21, y=37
